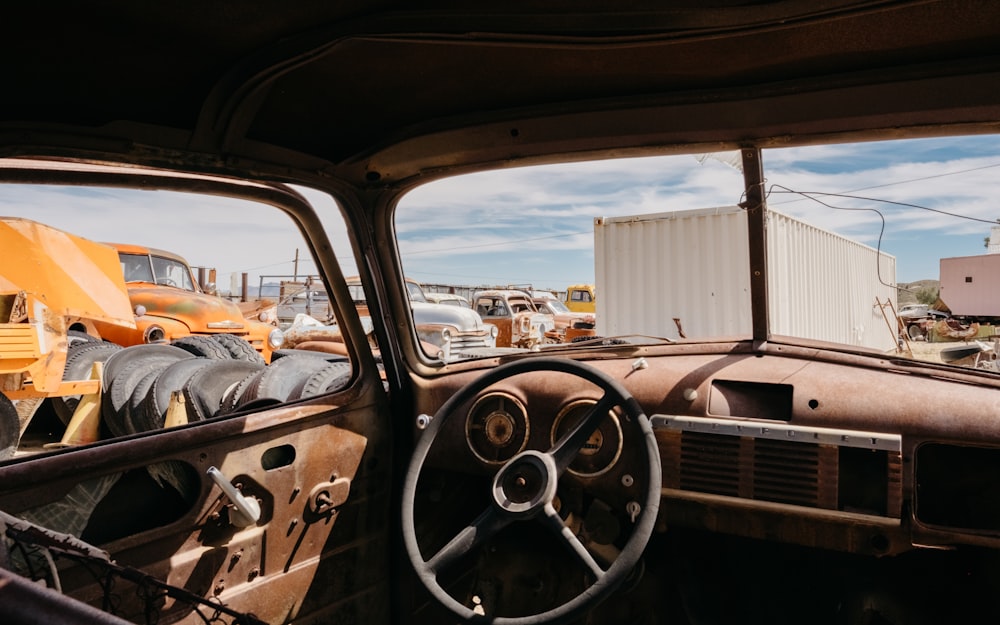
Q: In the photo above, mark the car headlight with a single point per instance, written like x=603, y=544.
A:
x=275, y=338
x=154, y=334
x=446, y=335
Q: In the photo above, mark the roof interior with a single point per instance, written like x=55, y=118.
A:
x=370, y=92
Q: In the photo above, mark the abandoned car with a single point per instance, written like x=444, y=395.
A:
x=569, y=324
x=518, y=323
x=170, y=304
x=768, y=467
x=445, y=332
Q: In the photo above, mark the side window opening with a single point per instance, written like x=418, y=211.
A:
x=142, y=349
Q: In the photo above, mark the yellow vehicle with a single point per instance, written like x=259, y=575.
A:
x=581, y=298
x=54, y=284
x=171, y=304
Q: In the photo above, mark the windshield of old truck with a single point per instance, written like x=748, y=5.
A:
x=136, y=267
x=855, y=234
x=172, y=272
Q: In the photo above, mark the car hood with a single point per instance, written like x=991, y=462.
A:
x=196, y=310
x=465, y=319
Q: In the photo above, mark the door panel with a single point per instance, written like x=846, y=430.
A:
x=311, y=468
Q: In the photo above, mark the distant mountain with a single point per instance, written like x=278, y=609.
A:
x=906, y=292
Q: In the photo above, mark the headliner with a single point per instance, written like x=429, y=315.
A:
x=374, y=93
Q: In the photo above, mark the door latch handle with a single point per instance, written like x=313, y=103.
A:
x=246, y=510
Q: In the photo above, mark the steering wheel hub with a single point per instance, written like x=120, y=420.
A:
x=525, y=483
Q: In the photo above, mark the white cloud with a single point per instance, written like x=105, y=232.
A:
x=536, y=224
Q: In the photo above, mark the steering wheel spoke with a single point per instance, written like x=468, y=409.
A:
x=484, y=527
x=554, y=523
x=569, y=446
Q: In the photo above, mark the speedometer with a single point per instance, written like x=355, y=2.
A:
x=601, y=451
x=497, y=428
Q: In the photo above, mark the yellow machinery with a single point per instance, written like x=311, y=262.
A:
x=50, y=282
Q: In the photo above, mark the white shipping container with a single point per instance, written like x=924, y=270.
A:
x=694, y=266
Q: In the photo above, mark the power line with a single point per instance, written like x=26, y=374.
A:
x=899, y=182
x=811, y=195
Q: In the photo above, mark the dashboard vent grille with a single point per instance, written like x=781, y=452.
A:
x=817, y=468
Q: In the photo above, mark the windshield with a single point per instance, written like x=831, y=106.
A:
x=136, y=267
x=855, y=233
x=415, y=292
x=157, y=270
x=172, y=272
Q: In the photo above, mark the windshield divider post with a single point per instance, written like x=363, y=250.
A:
x=755, y=205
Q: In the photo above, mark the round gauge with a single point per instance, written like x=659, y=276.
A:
x=602, y=449
x=497, y=428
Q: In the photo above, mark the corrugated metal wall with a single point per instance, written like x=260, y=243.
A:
x=693, y=265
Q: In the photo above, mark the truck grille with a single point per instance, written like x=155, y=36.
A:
x=466, y=340
x=813, y=467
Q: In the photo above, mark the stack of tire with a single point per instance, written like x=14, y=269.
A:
x=215, y=374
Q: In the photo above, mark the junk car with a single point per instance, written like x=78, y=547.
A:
x=445, y=331
x=569, y=324
x=170, y=304
x=518, y=322
x=762, y=473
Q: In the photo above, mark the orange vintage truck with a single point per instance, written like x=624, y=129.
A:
x=51, y=283
x=169, y=304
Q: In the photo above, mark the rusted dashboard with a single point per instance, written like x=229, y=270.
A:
x=844, y=452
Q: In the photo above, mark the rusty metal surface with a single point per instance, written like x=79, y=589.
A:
x=902, y=399
x=303, y=465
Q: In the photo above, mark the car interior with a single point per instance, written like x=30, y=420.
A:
x=749, y=438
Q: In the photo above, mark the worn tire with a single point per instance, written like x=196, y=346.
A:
x=80, y=359
x=234, y=394
x=75, y=337
x=128, y=355
x=10, y=428
x=153, y=412
x=331, y=378
x=238, y=348
x=137, y=399
x=125, y=370
x=280, y=380
x=203, y=346
x=207, y=388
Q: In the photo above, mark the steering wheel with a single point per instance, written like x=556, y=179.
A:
x=524, y=489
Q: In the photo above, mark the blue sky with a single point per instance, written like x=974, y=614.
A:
x=554, y=239
x=534, y=225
